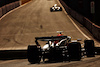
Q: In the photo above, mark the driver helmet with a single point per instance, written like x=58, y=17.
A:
x=60, y=34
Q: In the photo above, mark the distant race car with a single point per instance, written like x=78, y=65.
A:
x=56, y=8
x=58, y=49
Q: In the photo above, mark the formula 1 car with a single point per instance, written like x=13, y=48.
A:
x=58, y=49
x=55, y=8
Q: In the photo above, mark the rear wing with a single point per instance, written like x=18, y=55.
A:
x=52, y=38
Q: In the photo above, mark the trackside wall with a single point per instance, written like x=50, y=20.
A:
x=0, y=12
x=94, y=29
x=6, y=8
x=24, y=1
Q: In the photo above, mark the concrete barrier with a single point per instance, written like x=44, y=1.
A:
x=65, y=6
x=24, y=1
x=4, y=11
x=73, y=13
x=94, y=29
x=8, y=7
x=17, y=3
x=13, y=5
x=0, y=12
x=88, y=24
x=79, y=17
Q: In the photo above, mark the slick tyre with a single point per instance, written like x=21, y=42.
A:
x=89, y=48
x=33, y=54
x=60, y=8
x=74, y=50
x=51, y=10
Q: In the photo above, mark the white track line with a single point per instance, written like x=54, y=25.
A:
x=73, y=22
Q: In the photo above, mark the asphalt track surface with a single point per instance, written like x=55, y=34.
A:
x=19, y=28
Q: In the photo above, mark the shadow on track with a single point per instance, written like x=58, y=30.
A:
x=13, y=54
x=22, y=54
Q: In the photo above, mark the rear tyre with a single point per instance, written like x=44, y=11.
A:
x=89, y=48
x=33, y=54
x=74, y=50
x=60, y=8
x=51, y=9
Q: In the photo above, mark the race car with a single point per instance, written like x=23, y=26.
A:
x=63, y=50
x=56, y=8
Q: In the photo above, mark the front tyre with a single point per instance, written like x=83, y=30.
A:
x=51, y=9
x=74, y=50
x=89, y=48
x=33, y=54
